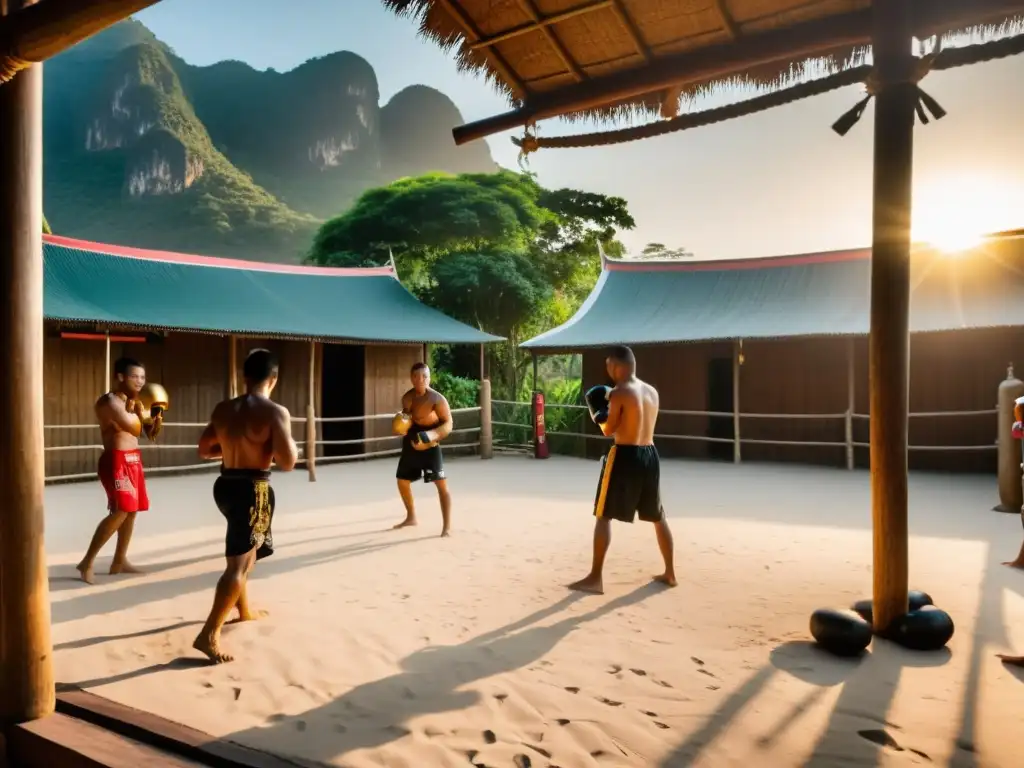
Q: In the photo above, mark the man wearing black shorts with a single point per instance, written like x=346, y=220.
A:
x=425, y=420
x=630, y=481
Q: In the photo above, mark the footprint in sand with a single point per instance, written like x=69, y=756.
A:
x=562, y=721
x=489, y=737
x=615, y=669
x=709, y=674
x=883, y=739
x=649, y=714
x=501, y=697
x=522, y=761
x=698, y=662
x=662, y=683
x=661, y=725
x=609, y=702
x=639, y=672
x=572, y=689
x=539, y=750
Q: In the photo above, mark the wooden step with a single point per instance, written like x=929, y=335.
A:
x=59, y=741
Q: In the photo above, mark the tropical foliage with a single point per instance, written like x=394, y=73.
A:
x=496, y=250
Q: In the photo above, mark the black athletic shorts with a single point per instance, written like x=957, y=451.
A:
x=413, y=464
x=246, y=500
x=630, y=483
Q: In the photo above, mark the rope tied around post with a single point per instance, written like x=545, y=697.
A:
x=527, y=145
x=927, y=107
x=10, y=65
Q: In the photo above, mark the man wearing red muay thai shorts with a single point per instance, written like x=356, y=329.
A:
x=122, y=420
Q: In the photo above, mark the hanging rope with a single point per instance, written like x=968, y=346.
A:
x=948, y=58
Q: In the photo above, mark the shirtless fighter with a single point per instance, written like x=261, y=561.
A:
x=425, y=420
x=247, y=434
x=121, y=419
x=631, y=472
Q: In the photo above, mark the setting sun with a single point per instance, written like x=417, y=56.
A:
x=954, y=214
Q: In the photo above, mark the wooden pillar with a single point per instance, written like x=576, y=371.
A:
x=533, y=355
x=426, y=353
x=486, y=429
x=850, y=401
x=311, y=416
x=737, y=359
x=483, y=370
x=889, y=344
x=26, y=651
x=107, y=373
x=232, y=366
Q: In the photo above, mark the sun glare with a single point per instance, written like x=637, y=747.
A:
x=956, y=214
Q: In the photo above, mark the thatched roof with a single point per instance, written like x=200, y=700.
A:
x=580, y=58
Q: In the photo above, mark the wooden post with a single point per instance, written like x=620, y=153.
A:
x=311, y=416
x=483, y=371
x=232, y=366
x=534, y=356
x=889, y=344
x=26, y=652
x=850, y=401
x=486, y=433
x=426, y=353
x=737, y=354
x=107, y=373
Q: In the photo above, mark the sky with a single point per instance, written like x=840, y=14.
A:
x=778, y=182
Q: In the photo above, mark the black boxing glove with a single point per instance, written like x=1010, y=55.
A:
x=597, y=404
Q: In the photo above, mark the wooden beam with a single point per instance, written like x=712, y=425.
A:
x=37, y=32
x=26, y=651
x=232, y=367
x=800, y=41
x=728, y=23
x=544, y=21
x=473, y=35
x=570, y=63
x=851, y=400
x=889, y=343
x=311, y=416
x=737, y=357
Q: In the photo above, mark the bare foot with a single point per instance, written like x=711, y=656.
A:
x=86, y=572
x=210, y=646
x=250, y=616
x=668, y=579
x=445, y=533
x=1015, y=564
x=409, y=522
x=593, y=585
x=125, y=567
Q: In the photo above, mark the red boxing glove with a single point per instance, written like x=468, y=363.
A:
x=1018, y=430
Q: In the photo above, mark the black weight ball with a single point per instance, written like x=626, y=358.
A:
x=927, y=629
x=840, y=631
x=916, y=598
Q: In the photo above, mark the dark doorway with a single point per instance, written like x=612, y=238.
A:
x=342, y=387
x=720, y=401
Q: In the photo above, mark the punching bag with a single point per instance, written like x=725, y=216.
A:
x=1011, y=494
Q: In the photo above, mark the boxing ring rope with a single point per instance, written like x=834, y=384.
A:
x=213, y=463
x=846, y=417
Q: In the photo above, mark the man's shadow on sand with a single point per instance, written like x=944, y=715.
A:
x=374, y=714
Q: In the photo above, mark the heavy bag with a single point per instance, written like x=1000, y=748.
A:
x=916, y=599
x=927, y=629
x=839, y=631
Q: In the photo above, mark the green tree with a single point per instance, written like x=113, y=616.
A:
x=660, y=251
x=495, y=250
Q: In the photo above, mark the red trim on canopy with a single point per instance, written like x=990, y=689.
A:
x=213, y=261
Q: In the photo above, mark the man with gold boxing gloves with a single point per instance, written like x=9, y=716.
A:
x=122, y=419
x=425, y=420
x=630, y=477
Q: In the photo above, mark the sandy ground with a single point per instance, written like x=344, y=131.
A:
x=402, y=649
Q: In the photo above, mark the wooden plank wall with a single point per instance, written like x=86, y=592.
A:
x=387, y=379
x=949, y=371
x=193, y=368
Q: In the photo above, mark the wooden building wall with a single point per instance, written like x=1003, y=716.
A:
x=193, y=368
x=949, y=371
x=387, y=379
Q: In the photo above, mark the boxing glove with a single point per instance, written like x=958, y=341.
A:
x=423, y=438
x=597, y=403
x=1018, y=430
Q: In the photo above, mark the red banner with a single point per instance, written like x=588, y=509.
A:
x=540, y=443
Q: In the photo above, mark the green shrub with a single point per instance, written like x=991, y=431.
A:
x=460, y=392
